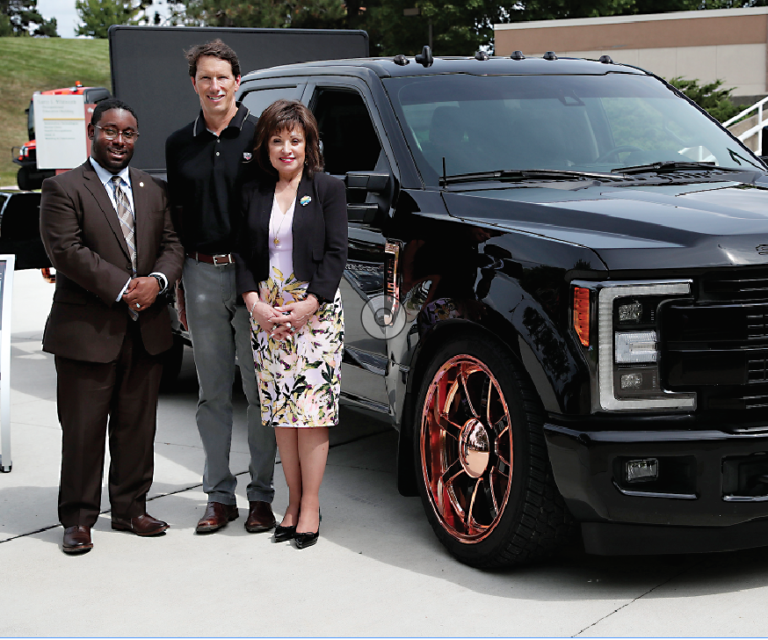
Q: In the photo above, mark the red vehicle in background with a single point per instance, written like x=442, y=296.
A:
x=29, y=176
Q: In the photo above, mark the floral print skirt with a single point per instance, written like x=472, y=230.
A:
x=300, y=377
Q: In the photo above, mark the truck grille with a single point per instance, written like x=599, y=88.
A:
x=717, y=345
x=748, y=285
x=757, y=370
x=757, y=325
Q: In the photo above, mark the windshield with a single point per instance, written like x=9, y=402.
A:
x=573, y=123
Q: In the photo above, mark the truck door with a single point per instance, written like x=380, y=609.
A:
x=351, y=141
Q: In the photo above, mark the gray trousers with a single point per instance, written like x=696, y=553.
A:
x=220, y=328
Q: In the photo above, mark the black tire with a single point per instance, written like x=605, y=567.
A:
x=523, y=517
x=26, y=180
x=172, y=360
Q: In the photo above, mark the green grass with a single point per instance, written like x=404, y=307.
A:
x=39, y=64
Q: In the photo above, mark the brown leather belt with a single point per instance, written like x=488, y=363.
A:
x=218, y=260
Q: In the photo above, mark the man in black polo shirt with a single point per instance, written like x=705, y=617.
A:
x=207, y=163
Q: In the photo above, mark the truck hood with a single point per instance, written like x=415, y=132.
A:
x=634, y=227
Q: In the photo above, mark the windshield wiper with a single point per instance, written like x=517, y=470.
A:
x=670, y=166
x=520, y=175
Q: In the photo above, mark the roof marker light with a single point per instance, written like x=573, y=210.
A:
x=400, y=60
x=550, y=55
x=425, y=58
x=517, y=55
x=481, y=55
x=605, y=59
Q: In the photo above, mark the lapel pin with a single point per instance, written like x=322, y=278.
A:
x=247, y=156
x=141, y=184
x=305, y=201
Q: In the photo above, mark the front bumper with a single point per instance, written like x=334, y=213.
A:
x=709, y=496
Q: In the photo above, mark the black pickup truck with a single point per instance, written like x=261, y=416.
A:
x=557, y=292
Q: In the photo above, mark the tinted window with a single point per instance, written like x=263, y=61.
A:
x=349, y=139
x=260, y=99
x=582, y=123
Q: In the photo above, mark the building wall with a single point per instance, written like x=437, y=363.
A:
x=729, y=45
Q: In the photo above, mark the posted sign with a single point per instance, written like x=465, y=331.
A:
x=7, y=263
x=60, y=131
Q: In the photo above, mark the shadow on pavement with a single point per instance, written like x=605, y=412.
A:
x=364, y=514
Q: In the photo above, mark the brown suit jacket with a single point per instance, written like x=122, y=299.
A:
x=83, y=239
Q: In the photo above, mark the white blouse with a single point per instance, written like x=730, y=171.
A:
x=281, y=238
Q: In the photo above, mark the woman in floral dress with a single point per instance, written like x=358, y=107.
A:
x=292, y=258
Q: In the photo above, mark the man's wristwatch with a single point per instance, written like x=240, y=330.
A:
x=160, y=283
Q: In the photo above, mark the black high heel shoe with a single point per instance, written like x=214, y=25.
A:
x=283, y=534
x=304, y=540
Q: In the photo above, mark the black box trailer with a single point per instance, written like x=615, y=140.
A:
x=150, y=73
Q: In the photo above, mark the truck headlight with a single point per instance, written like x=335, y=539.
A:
x=628, y=345
x=636, y=346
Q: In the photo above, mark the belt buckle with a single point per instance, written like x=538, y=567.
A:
x=226, y=256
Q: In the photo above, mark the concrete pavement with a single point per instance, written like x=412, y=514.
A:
x=377, y=570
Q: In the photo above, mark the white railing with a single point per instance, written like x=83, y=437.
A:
x=755, y=130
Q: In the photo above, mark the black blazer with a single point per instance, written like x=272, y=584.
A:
x=319, y=234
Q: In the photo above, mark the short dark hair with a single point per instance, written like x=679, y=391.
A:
x=284, y=115
x=215, y=48
x=111, y=103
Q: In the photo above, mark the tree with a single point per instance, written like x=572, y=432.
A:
x=318, y=14
x=305, y=14
x=710, y=96
x=99, y=15
x=21, y=18
x=458, y=27
x=230, y=13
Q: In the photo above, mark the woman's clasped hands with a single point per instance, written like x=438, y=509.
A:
x=282, y=322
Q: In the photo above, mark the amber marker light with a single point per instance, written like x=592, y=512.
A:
x=581, y=314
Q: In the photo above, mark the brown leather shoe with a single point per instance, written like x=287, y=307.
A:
x=216, y=516
x=143, y=525
x=260, y=517
x=77, y=540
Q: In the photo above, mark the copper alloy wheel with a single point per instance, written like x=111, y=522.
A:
x=466, y=448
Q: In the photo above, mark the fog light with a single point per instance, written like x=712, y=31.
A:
x=630, y=312
x=644, y=470
x=632, y=381
x=639, y=346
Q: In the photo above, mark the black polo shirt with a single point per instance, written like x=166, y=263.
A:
x=205, y=177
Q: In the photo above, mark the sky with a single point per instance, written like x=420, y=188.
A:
x=64, y=12
x=66, y=16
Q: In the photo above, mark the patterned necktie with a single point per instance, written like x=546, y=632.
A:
x=126, y=224
x=126, y=218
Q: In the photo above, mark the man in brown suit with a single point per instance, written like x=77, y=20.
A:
x=108, y=233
